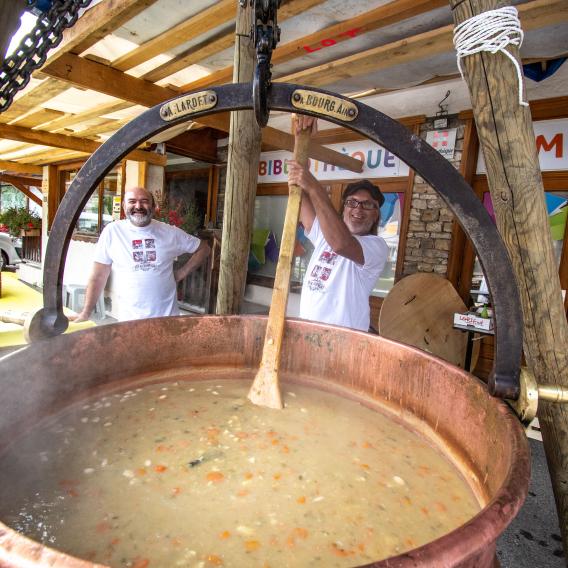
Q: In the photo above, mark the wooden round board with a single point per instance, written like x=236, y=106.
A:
x=419, y=311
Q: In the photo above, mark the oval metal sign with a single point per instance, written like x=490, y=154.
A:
x=188, y=104
x=324, y=104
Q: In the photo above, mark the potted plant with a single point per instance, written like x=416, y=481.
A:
x=18, y=221
x=188, y=220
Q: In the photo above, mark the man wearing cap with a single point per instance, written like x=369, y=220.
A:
x=348, y=255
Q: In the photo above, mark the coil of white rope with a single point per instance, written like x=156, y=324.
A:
x=491, y=31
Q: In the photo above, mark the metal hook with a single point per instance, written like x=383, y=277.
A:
x=443, y=108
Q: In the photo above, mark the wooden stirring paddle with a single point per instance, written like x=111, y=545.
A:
x=265, y=390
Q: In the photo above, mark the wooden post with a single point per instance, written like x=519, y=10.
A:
x=513, y=174
x=242, y=176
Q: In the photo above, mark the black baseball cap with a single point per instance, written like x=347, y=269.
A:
x=365, y=184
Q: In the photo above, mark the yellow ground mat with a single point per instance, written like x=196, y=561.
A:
x=19, y=298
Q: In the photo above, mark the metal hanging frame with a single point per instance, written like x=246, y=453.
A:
x=410, y=148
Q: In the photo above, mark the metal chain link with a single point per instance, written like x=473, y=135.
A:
x=32, y=52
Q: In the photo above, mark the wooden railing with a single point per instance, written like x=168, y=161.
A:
x=31, y=246
x=198, y=292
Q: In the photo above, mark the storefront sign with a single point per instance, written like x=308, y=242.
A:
x=443, y=140
x=377, y=161
x=551, y=137
x=188, y=104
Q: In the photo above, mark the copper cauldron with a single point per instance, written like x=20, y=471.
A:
x=477, y=432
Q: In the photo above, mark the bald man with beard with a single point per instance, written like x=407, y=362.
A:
x=140, y=252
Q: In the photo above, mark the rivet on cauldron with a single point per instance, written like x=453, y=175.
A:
x=213, y=98
x=297, y=97
x=351, y=112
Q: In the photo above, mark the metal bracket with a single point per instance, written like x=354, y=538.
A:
x=531, y=393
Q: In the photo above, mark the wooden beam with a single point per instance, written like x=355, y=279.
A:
x=21, y=187
x=8, y=166
x=216, y=15
x=24, y=180
x=70, y=142
x=95, y=24
x=382, y=16
x=222, y=41
x=241, y=179
x=507, y=139
x=534, y=15
x=199, y=145
x=92, y=75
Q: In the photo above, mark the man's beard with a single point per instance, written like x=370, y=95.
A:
x=139, y=220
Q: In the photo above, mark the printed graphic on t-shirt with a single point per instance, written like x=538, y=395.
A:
x=144, y=254
x=328, y=257
x=320, y=273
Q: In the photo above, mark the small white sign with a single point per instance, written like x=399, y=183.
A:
x=443, y=140
x=472, y=320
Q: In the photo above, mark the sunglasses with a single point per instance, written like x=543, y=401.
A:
x=367, y=205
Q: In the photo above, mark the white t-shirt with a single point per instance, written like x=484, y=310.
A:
x=336, y=290
x=142, y=261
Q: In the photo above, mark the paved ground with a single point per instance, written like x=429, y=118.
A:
x=533, y=538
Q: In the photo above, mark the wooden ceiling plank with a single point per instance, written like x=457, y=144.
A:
x=10, y=166
x=192, y=56
x=53, y=156
x=382, y=16
x=38, y=117
x=95, y=24
x=23, y=188
x=45, y=91
x=92, y=75
x=71, y=120
x=533, y=15
x=70, y=142
x=221, y=42
x=216, y=15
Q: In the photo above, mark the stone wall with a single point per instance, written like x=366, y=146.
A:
x=430, y=226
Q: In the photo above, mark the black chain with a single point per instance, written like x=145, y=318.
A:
x=32, y=53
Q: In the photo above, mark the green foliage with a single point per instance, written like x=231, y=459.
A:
x=16, y=219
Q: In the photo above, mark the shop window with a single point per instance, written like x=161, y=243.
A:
x=98, y=212
x=389, y=229
x=557, y=210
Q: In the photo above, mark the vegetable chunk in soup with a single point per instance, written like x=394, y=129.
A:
x=189, y=473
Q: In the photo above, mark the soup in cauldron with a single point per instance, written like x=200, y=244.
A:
x=189, y=473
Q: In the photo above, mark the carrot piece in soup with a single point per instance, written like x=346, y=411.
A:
x=141, y=563
x=252, y=545
x=215, y=476
x=160, y=468
x=224, y=535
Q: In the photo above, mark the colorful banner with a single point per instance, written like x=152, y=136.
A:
x=378, y=163
x=551, y=137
